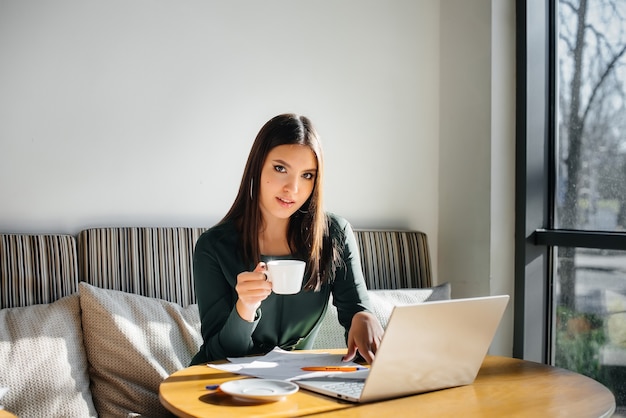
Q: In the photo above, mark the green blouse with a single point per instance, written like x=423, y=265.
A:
x=286, y=321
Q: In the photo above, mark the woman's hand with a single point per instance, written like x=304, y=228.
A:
x=252, y=288
x=364, y=335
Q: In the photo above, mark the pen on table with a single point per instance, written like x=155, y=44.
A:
x=334, y=368
x=212, y=387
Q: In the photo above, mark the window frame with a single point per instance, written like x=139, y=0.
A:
x=533, y=302
x=535, y=179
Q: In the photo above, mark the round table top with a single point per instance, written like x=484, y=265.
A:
x=504, y=387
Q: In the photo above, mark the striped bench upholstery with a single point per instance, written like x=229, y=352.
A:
x=153, y=262
x=157, y=262
x=36, y=269
x=394, y=259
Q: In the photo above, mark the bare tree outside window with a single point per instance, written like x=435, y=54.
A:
x=591, y=175
x=591, y=183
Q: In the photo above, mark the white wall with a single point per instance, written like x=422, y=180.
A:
x=143, y=112
x=476, y=171
x=465, y=145
x=502, y=248
x=120, y=113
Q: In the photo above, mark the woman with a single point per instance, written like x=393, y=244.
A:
x=278, y=214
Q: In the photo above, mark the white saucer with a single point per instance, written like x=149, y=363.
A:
x=265, y=390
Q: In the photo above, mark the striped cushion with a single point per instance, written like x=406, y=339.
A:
x=157, y=262
x=394, y=259
x=153, y=262
x=36, y=269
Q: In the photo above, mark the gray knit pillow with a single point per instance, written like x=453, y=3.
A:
x=42, y=361
x=134, y=342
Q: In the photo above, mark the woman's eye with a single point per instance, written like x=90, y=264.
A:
x=280, y=168
x=308, y=176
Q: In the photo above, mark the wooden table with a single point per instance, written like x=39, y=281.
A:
x=6, y=414
x=504, y=387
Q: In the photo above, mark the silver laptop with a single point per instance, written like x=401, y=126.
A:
x=428, y=346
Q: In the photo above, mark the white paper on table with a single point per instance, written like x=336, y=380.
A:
x=286, y=365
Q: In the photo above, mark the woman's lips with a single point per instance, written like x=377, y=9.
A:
x=285, y=202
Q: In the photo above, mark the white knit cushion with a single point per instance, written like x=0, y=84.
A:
x=42, y=361
x=332, y=335
x=132, y=344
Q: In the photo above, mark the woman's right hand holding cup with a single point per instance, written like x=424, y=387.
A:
x=252, y=288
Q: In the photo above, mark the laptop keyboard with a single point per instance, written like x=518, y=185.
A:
x=350, y=388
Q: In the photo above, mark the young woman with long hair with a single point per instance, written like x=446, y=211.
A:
x=278, y=214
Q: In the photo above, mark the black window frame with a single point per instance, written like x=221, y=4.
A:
x=535, y=175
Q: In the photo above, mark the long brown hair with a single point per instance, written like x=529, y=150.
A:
x=308, y=232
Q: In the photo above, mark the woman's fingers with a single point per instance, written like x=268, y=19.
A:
x=253, y=285
x=252, y=288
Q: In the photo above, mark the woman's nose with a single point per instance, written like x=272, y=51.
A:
x=292, y=185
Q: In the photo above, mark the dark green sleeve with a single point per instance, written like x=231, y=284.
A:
x=215, y=269
x=349, y=288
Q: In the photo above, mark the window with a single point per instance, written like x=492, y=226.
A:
x=571, y=187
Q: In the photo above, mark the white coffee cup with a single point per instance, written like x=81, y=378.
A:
x=285, y=275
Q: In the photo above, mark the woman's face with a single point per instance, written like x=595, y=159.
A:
x=287, y=180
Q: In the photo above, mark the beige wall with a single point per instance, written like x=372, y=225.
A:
x=142, y=113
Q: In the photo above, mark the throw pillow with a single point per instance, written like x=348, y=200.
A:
x=332, y=335
x=134, y=342
x=43, y=362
